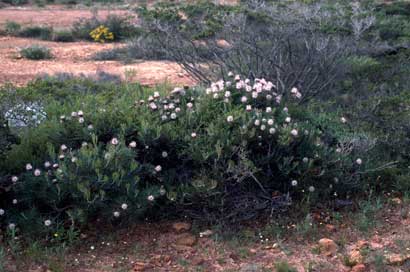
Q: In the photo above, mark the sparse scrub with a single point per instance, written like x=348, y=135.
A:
x=12, y=28
x=121, y=54
x=36, y=52
x=63, y=36
x=119, y=26
x=15, y=2
x=39, y=32
x=285, y=43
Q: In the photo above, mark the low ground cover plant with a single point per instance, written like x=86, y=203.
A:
x=39, y=32
x=36, y=52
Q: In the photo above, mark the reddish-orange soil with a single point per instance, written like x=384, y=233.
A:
x=56, y=16
x=75, y=58
x=383, y=246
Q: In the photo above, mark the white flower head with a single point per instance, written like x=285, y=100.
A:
x=244, y=99
x=114, y=141
x=288, y=119
x=268, y=109
x=61, y=156
x=294, y=132
x=74, y=114
x=269, y=97
x=14, y=201
x=173, y=116
x=81, y=120
x=156, y=95
x=359, y=161
x=270, y=122
x=14, y=179
x=150, y=198
x=272, y=131
x=63, y=147
x=178, y=109
x=248, y=107
x=263, y=127
x=116, y=214
x=124, y=206
x=133, y=144
x=84, y=144
x=2, y=212
x=47, y=223
x=229, y=119
x=193, y=135
x=257, y=122
x=227, y=94
x=164, y=154
x=189, y=105
x=158, y=168
x=47, y=164
x=74, y=159
x=153, y=106
x=311, y=189
x=305, y=160
x=80, y=113
x=343, y=120
x=29, y=167
x=254, y=95
x=12, y=226
x=55, y=165
x=37, y=172
x=285, y=109
x=294, y=182
x=230, y=74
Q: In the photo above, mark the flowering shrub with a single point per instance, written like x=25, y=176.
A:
x=102, y=34
x=225, y=151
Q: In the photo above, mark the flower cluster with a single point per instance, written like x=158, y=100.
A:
x=102, y=34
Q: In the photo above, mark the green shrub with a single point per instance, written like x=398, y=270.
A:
x=198, y=152
x=44, y=33
x=120, y=26
x=12, y=28
x=63, y=36
x=36, y=52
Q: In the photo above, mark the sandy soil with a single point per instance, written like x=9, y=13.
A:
x=57, y=17
x=75, y=58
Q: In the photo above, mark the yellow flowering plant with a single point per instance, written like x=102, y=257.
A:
x=102, y=34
